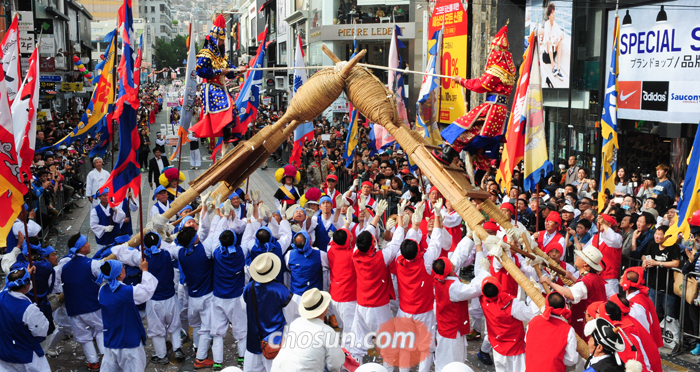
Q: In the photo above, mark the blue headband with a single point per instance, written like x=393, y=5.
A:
x=325, y=198
x=36, y=248
x=158, y=190
x=115, y=268
x=187, y=208
x=78, y=244
x=226, y=250
x=150, y=251
x=300, y=209
x=48, y=250
x=102, y=192
x=21, y=282
x=184, y=220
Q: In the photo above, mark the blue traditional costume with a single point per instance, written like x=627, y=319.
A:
x=219, y=116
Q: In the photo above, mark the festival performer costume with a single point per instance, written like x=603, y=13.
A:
x=609, y=243
x=228, y=304
x=124, y=335
x=23, y=326
x=343, y=278
x=159, y=207
x=78, y=276
x=546, y=237
x=168, y=177
x=219, y=116
x=128, y=205
x=256, y=246
x=642, y=307
x=330, y=190
x=306, y=266
x=163, y=309
x=550, y=340
x=647, y=353
x=287, y=193
x=106, y=221
x=452, y=311
x=325, y=224
x=365, y=189
x=374, y=285
x=504, y=316
x=480, y=131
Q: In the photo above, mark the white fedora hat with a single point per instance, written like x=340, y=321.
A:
x=314, y=303
x=371, y=367
x=457, y=367
x=265, y=267
x=592, y=256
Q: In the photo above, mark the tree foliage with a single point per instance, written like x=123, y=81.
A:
x=171, y=53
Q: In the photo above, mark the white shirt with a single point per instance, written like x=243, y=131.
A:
x=95, y=226
x=33, y=318
x=154, y=208
x=296, y=357
x=159, y=161
x=285, y=235
x=94, y=181
x=463, y=255
x=466, y=291
x=326, y=224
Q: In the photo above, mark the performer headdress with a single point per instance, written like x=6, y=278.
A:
x=218, y=30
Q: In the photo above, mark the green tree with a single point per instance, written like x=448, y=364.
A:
x=172, y=53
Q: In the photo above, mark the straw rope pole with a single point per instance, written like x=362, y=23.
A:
x=312, y=98
x=375, y=101
x=406, y=71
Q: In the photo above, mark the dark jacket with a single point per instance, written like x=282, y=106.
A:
x=153, y=172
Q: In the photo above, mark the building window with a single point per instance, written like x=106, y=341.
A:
x=153, y=9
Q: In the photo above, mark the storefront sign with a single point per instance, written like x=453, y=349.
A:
x=72, y=87
x=26, y=21
x=26, y=43
x=340, y=105
x=44, y=86
x=454, y=57
x=659, y=63
x=50, y=78
x=48, y=45
x=552, y=22
x=47, y=64
x=375, y=31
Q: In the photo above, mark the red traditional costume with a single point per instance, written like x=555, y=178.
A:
x=551, y=342
x=480, y=131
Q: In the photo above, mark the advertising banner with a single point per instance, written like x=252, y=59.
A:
x=552, y=20
x=454, y=57
x=659, y=62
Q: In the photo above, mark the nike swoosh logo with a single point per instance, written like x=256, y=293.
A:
x=624, y=97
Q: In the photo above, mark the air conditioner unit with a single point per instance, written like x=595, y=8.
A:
x=279, y=82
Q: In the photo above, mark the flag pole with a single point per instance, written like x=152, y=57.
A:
x=141, y=217
x=26, y=241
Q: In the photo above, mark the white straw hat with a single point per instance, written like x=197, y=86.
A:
x=265, y=267
x=371, y=367
x=592, y=256
x=314, y=303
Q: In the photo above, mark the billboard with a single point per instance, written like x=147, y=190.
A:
x=659, y=62
x=552, y=21
x=454, y=57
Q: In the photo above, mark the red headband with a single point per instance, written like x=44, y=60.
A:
x=616, y=300
x=609, y=219
x=548, y=310
x=554, y=245
x=554, y=216
x=509, y=207
x=490, y=225
x=627, y=284
x=366, y=183
x=448, y=269
x=592, y=309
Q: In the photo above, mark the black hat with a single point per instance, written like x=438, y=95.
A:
x=604, y=333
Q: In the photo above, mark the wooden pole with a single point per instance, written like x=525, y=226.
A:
x=26, y=241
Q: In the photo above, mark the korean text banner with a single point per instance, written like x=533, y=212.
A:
x=454, y=57
x=552, y=22
x=659, y=62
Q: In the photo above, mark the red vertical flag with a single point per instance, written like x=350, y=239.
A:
x=24, y=115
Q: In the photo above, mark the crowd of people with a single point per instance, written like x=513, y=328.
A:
x=345, y=248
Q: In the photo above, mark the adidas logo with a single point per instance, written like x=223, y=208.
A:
x=654, y=96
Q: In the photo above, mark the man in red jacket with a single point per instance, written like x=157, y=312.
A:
x=589, y=288
x=550, y=234
x=374, y=286
x=414, y=269
x=505, y=315
x=641, y=306
x=452, y=302
x=609, y=243
x=343, y=278
x=551, y=342
x=646, y=352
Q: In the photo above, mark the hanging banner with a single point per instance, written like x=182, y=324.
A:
x=454, y=57
x=552, y=22
x=659, y=62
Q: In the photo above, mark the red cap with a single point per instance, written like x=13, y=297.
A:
x=609, y=219
x=509, y=207
x=367, y=183
x=554, y=216
x=554, y=245
x=332, y=177
x=491, y=225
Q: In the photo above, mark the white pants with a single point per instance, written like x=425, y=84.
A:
x=85, y=328
x=195, y=157
x=38, y=364
x=184, y=299
x=225, y=311
x=612, y=287
x=63, y=327
x=124, y=360
x=164, y=319
x=199, y=315
x=427, y=318
x=450, y=350
x=344, y=313
x=515, y=363
x=367, y=319
x=256, y=363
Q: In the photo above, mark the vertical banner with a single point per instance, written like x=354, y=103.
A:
x=454, y=57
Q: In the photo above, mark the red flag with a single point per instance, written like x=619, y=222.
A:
x=9, y=55
x=24, y=115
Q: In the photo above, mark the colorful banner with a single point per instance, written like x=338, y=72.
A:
x=454, y=57
x=608, y=124
x=535, y=158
